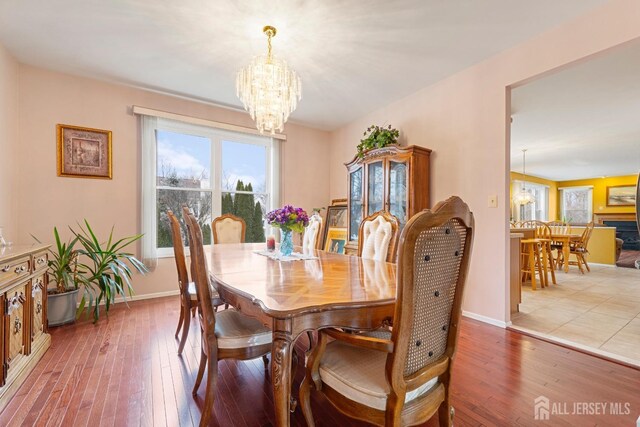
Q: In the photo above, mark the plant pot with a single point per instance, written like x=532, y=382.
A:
x=61, y=308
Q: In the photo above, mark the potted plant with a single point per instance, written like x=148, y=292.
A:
x=63, y=272
x=378, y=137
x=106, y=272
x=101, y=268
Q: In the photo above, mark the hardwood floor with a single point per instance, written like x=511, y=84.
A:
x=125, y=372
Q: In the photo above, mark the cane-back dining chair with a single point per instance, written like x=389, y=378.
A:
x=403, y=378
x=228, y=228
x=378, y=237
x=226, y=334
x=311, y=237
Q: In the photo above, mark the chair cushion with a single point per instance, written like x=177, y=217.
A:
x=235, y=330
x=359, y=374
x=215, y=297
x=376, y=236
x=192, y=291
x=228, y=231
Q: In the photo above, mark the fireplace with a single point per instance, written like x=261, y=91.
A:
x=627, y=231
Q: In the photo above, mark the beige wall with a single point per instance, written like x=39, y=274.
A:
x=8, y=139
x=48, y=98
x=463, y=119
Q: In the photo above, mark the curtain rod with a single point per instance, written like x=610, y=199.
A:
x=143, y=111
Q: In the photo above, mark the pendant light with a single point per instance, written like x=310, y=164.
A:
x=523, y=197
x=269, y=89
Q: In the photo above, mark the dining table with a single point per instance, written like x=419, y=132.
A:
x=565, y=239
x=292, y=297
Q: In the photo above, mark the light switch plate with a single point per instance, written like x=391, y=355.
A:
x=493, y=201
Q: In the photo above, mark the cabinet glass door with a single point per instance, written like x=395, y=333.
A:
x=375, y=192
x=355, y=203
x=398, y=190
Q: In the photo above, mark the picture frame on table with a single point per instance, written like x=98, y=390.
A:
x=336, y=240
x=621, y=195
x=83, y=152
x=336, y=219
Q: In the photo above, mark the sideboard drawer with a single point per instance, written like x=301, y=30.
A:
x=14, y=269
x=15, y=328
x=40, y=261
x=38, y=322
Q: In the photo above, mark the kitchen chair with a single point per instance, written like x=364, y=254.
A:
x=543, y=236
x=227, y=334
x=311, y=237
x=579, y=249
x=228, y=228
x=378, y=237
x=404, y=378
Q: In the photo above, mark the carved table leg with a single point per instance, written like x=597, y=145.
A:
x=281, y=370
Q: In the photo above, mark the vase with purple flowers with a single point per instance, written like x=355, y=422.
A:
x=288, y=219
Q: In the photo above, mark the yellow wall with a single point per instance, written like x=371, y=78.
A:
x=554, y=208
x=600, y=192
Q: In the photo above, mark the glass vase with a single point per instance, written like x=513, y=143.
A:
x=286, y=242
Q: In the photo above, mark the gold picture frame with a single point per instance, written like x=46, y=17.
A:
x=336, y=240
x=621, y=195
x=83, y=152
x=336, y=218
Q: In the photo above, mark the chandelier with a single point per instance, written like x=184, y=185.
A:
x=523, y=197
x=268, y=89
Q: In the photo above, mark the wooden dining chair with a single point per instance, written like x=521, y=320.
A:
x=558, y=227
x=579, y=248
x=403, y=378
x=228, y=228
x=378, y=237
x=188, y=298
x=227, y=334
x=311, y=237
x=543, y=236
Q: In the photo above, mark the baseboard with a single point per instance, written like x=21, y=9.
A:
x=485, y=319
x=121, y=299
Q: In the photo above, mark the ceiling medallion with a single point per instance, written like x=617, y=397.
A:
x=268, y=89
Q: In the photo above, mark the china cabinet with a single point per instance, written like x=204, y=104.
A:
x=24, y=335
x=393, y=178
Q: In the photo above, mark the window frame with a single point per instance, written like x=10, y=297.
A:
x=516, y=212
x=216, y=137
x=588, y=188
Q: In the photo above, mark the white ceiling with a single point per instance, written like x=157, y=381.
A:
x=582, y=122
x=353, y=56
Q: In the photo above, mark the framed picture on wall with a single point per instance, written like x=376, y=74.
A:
x=335, y=240
x=621, y=195
x=336, y=218
x=83, y=152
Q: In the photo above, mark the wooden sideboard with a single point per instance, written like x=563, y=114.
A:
x=24, y=336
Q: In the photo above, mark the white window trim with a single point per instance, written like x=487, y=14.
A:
x=579, y=188
x=529, y=184
x=149, y=127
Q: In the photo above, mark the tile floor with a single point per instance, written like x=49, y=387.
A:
x=600, y=310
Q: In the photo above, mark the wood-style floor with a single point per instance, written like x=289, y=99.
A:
x=125, y=372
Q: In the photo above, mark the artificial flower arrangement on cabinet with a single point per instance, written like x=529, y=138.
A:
x=379, y=137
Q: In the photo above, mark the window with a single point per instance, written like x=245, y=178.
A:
x=539, y=209
x=212, y=171
x=577, y=204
